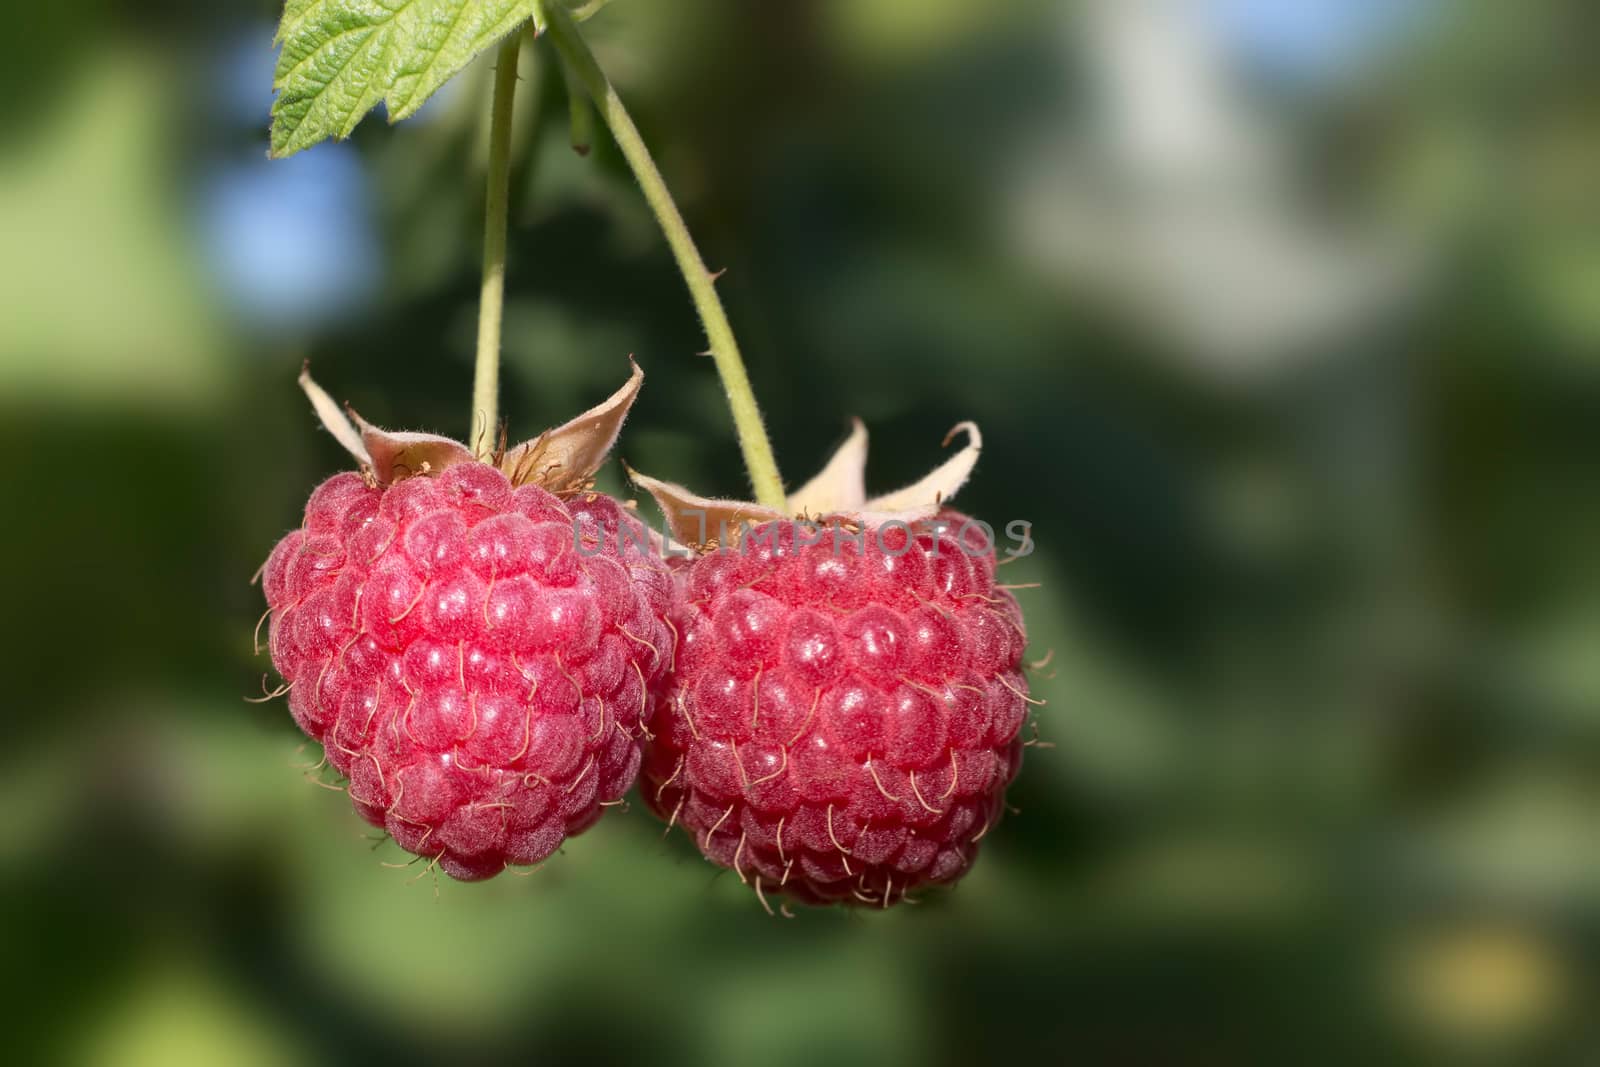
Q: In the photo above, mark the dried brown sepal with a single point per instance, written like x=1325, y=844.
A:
x=400, y=455
x=564, y=459
x=701, y=522
x=932, y=492
x=841, y=485
x=333, y=418
x=836, y=495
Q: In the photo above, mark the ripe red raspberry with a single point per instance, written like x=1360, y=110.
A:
x=475, y=657
x=845, y=712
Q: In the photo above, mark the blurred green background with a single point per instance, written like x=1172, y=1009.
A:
x=1282, y=322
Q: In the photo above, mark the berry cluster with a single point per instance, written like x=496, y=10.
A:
x=491, y=652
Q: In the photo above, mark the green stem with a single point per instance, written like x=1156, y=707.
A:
x=758, y=459
x=586, y=11
x=580, y=113
x=491, y=299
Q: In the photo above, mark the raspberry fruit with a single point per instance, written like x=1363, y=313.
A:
x=845, y=713
x=475, y=645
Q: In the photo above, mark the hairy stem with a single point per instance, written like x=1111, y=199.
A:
x=491, y=299
x=758, y=458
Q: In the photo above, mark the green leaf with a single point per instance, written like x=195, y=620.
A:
x=341, y=57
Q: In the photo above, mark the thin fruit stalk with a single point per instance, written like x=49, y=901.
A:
x=486, y=371
x=758, y=457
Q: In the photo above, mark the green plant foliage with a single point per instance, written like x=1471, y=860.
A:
x=341, y=57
